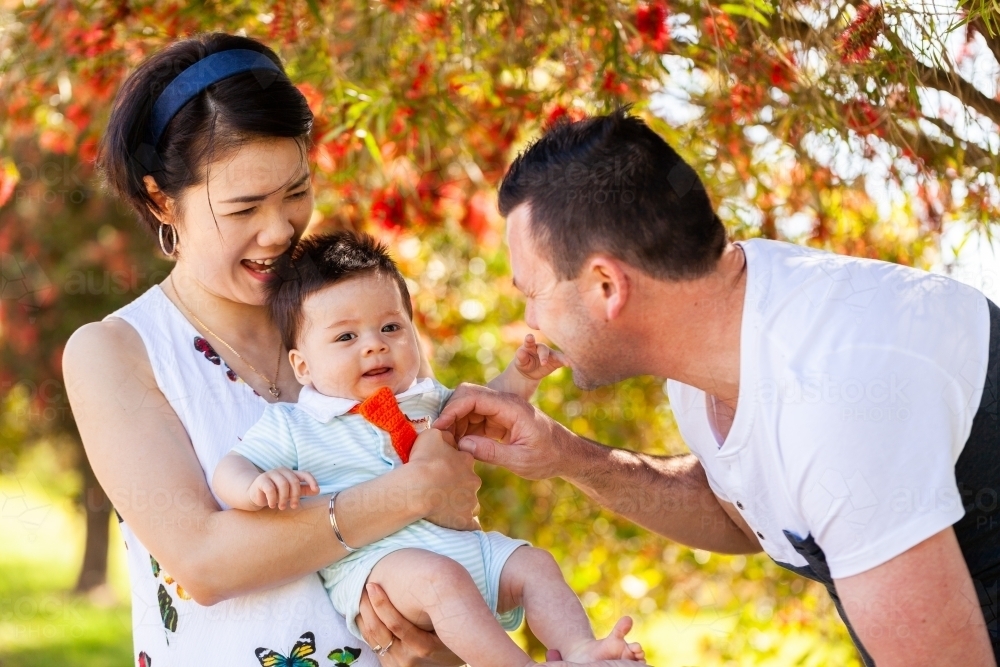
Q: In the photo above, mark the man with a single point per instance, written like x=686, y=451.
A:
x=841, y=412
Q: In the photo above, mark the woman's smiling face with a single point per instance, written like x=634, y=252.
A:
x=252, y=206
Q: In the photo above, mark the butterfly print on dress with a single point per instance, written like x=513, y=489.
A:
x=297, y=657
x=206, y=348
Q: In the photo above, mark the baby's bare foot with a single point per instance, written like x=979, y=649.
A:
x=612, y=647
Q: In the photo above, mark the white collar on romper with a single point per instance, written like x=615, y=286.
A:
x=324, y=408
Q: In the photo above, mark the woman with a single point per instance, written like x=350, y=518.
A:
x=207, y=142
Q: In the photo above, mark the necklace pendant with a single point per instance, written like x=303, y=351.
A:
x=274, y=391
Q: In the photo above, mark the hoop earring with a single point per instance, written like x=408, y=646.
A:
x=173, y=239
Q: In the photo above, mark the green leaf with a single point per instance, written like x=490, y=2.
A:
x=373, y=148
x=748, y=12
x=314, y=9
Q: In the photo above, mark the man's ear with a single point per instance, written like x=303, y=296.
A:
x=164, y=210
x=606, y=285
x=299, y=366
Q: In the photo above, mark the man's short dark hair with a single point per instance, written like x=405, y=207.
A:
x=611, y=184
x=319, y=261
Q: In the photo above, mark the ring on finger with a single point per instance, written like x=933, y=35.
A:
x=377, y=647
x=385, y=650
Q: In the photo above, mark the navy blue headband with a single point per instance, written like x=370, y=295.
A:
x=200, y=76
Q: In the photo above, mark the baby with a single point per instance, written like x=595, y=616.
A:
x=346, y=321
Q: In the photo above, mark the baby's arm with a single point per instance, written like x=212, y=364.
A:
x=243, y=486
x=532, y=362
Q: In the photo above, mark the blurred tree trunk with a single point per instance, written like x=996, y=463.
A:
x=94, y=571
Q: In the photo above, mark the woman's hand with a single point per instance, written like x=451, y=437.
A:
x=381, y=626
x=448, y=480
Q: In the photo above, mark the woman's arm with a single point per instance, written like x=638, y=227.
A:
x=143, y=458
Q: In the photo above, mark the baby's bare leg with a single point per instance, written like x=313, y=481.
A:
x=531, y=578
x=433, y=591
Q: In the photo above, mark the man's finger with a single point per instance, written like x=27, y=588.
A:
x=466, y=400
x=482, y=449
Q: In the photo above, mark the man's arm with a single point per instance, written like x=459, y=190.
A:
x=919, y=608
x=668, y=495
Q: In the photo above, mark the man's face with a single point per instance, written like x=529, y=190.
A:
x=559, y=309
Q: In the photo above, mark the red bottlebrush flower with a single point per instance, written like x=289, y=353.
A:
x=417, y=87
x=314, y=98
x=782, y=74
x=855, y=43
x=55, y=141
x=87, y=150
x=400, y=121
x=651, y=21
x=612, y=85
x=78, y=115
x=388, y=208
x=558, y=112
x=720, y=28
x=862, y=117
x=430, y=23
x=745, y=101
x=476, y=219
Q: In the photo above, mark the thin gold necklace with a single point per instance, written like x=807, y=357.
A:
x=273, y=388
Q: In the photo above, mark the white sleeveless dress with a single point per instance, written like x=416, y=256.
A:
x=294, y=624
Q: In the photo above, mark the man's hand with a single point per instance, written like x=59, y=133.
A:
x=919, y=609
x=669, y=495
x=505, y=430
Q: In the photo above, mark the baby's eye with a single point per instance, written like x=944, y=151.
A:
x=244, y=213
x=389, y=328
x=345, y=337
x=298, y=195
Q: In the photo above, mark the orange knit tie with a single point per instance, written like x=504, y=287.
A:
x=381, y=410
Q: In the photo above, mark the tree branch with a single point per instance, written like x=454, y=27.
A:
x=932, y=77
x=951, y=82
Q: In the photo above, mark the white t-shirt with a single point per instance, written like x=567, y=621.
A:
x=859, y=381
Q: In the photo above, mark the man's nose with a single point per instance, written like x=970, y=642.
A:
x=529, y=317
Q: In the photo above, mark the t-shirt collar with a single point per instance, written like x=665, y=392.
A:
x=324, y=408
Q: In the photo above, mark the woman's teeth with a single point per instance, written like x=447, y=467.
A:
x=262, y=266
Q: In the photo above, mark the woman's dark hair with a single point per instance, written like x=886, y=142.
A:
x=222, y=117
x=319, y=261
x=610, y=184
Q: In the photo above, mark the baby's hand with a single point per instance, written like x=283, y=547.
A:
x=280, y=488
x=536, y=360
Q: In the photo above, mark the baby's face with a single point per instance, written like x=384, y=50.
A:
x=356, y=337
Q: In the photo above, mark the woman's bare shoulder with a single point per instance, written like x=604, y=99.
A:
x=104, y=351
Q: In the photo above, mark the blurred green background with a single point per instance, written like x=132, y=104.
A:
x=857, y=128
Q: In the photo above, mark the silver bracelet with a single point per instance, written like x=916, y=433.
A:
x=333, y=522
